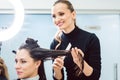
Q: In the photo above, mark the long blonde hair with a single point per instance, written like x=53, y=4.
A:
x=58, y=38
x=4, y=70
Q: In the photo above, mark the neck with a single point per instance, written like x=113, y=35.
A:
x=69, y=29
x=33, y=78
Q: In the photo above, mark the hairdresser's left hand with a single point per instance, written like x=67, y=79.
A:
x=76, y=56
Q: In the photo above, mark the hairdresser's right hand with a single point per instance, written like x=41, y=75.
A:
x=57, y=66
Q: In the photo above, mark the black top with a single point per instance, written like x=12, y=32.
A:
x=89, y=44
x=39, y=79
x=19, y=79
x=3, y=78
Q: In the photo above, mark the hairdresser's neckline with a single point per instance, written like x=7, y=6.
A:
x=33, y=78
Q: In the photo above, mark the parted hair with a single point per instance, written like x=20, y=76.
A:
x=30, y=45
x=38, y=53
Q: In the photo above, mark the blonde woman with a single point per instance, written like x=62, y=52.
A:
x=84, y=62
x=3, y=70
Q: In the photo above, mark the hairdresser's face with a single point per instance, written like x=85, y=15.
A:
x=25, y=66
x=63, y=17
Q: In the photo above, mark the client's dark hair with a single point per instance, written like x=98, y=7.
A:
x=31, y=45
x=42, y=54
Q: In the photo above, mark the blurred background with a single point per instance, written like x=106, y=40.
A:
x=101, y=17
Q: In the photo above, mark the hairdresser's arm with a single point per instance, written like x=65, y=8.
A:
x=87, y=70
x=58, y=73
x=92, y=60
x=57, y=67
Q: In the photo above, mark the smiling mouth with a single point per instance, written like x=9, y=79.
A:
x=19, y=73
x=60, y=24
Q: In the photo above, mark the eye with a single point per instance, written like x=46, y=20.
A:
x=16, y=61
x=53, y=16
x=23, y=61
x=61, y=14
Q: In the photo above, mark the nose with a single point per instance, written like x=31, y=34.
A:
x=57, y=19
x=17, y=65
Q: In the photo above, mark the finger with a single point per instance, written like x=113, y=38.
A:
x=58, y=62
x=61, y=57
x=74, y=54
x=57, y=66
x=80, y=52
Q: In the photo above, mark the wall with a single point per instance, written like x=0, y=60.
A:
x=82, y=6
x=106, y=27
x=109, y=34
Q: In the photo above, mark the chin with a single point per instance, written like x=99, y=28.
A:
x=61, y=28
x=21, y=77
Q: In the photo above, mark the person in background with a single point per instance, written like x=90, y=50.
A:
x=30, y=59
x=84, y=62
x=28, y=64
x=3, y=70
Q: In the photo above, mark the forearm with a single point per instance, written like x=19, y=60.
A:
x=58, y=75
x=88, y=70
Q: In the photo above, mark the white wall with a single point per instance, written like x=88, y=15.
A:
x=82, y=6
x=85, y=7
x=106, y=27
x=79, y=4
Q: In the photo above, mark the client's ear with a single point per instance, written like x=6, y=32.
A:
x=38, y=63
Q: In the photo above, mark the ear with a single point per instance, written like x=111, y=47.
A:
x=74, y=15
x=38, y=63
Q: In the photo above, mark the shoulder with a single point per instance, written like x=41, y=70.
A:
x=89, y=36
x=53, y=44
x=83, y=34
x=87, y=33
x=3, y=78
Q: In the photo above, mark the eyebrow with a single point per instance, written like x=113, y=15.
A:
x=20, y=59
